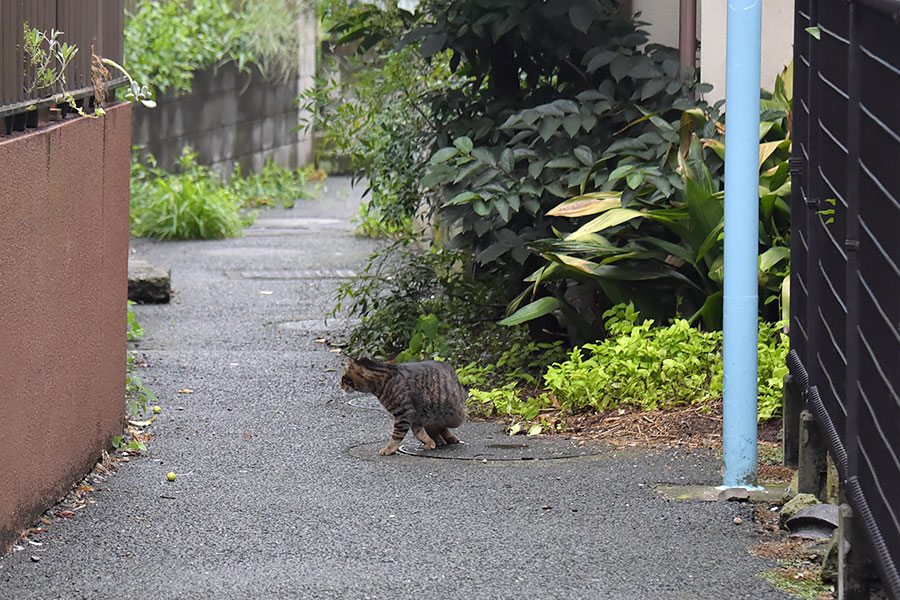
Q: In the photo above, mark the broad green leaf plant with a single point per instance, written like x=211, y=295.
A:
x=669, y=253
x=639, y=364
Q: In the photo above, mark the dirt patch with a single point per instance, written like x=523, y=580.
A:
x=686, y=427
x=774, y=472
x=800, y=561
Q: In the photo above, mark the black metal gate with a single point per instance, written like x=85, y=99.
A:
x=845, y=254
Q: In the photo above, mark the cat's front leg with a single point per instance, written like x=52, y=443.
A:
x=436, y=436
x=449, y=437
x=400, y=429
x=423, y=436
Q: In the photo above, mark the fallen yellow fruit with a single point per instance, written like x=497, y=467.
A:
x=170, y=476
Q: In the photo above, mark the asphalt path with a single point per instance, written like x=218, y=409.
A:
x=280, y=492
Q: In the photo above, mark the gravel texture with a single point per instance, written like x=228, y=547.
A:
x=280, y=492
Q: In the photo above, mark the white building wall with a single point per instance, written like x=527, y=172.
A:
x=662, y=16
x=777, y=42
x=777, y=36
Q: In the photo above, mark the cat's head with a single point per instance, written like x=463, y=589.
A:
x=354, y=377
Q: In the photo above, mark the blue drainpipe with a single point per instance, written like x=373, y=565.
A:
x=741, y=241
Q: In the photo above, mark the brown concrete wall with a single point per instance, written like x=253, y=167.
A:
x=63, y=288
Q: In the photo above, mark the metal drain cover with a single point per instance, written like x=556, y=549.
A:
x=365, y=401
x=285, y=275
x=506, y=448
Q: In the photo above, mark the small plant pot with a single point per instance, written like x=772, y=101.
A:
x=18, y=122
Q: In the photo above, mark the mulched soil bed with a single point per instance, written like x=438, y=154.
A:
x=686, y=427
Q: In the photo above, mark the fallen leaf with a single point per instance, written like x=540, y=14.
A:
x=247, y=436
x=547, y=507
x=320, y=340
x=185, y=391
x=46, y=521
x=65, y=514
x=266, y=293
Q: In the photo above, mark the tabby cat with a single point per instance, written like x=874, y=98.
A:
x=423, y=396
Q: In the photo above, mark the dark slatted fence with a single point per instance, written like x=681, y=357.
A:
x=845, y=255
x=87, y=24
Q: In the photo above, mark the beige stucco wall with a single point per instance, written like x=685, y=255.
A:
x=777, y=36
x=662, y=16
x=777, y=42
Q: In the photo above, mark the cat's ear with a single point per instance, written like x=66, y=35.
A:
x=363, y=356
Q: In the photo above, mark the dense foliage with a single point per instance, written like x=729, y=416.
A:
x=193, y=203
x=567, y=167
x=670, y=255
x=167, y=41
x=401, y=290
x=370, y=109
x=506, y=121
x=640, y=364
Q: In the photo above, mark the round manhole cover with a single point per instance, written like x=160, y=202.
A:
x=365, y=401
x=481, y=443
x=506, y=449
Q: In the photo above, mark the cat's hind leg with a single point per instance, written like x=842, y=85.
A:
x=449, y=438
x=400, y=429
x=423, y=436
x=436, y=436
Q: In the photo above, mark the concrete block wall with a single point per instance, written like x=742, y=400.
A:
x=230, y=117
x=63, y=289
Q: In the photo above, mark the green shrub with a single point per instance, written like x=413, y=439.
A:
x=167, y=41
x=667, y=258
x=188, y=204
x=133, y=331
x=193, y=203
x=373, y=113
x=273, y=185
x=640, y=365
x=402, y=283
x=772, y=353
x=524, y=104
x=644, y=366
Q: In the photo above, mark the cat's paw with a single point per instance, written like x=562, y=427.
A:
x=429, y=445
x=451, y=439
x=387, y=450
